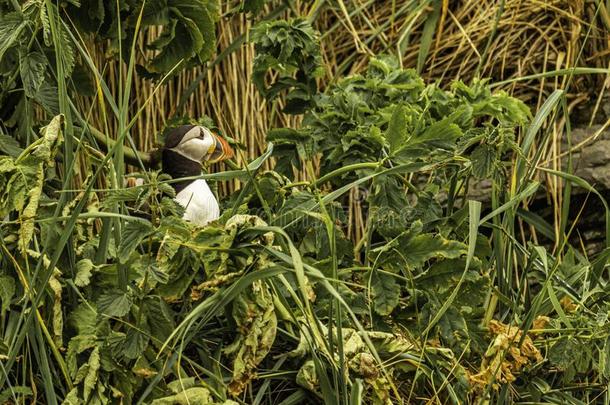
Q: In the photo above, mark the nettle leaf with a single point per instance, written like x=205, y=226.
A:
x=135, y=343
x=397, y=128
x=58, y=320
x=604, y=361
x=32, y=67
x=424, y=247
x=385, y=292
x=91, y=377
x=159, y=317
x=133, y=233
x=21, y=179
x=442, y=133
x=9, y=146
x=51, y=137
x=11, y=26
x=189, y=396
x=67, y=54
x=83, y=319
x=483, y=158
x=116, y=303
x=252, y=6
x=47, y=97
x=20, y=392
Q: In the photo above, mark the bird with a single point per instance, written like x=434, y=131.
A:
x=186, y=149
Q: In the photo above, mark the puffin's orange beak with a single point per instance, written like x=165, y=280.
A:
x=221, y=150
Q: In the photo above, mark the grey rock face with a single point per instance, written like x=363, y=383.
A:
x=592, y=161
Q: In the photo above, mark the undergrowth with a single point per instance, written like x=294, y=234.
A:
x=440, y=299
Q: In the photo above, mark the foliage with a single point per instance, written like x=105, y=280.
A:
x=107, y=295
x=291, y=50
x=188, y=36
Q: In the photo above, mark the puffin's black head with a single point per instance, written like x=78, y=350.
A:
x=188, y=147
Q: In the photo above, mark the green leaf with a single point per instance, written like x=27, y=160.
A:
x=67, y=53
x=135, y=343
x=428, y=33
x=32, y=67
x=83, y=319
x=114, y=303
x=254, y=314
x=189, y=396
x=427, y=246
x=397, y=128
x=7, y=291
x=252, y=6
x=91, y=378
x=159, y=317
x=11, y=26
x=72, y=397
x=444, y=133
x=16, y=391
x=47, y=98
x=9, y=146
x=133, y=233
x=385, y=293
x=83, y=273
x=189, y=33
x=564, y=352
x=604, y=360
x=30, y=178
x=483, y=158
x=290, y=48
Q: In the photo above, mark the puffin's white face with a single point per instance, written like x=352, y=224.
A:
x=197, y=144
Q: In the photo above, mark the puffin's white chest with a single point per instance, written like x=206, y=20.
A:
x=200, y=203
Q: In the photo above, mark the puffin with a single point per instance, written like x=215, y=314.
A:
x=186, y=149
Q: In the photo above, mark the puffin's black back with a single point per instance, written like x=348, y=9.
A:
x=174, y=163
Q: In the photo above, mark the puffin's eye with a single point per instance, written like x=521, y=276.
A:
x=201, y=133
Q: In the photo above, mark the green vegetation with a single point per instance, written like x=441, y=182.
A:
x=352, y=264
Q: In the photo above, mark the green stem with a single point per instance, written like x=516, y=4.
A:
x=345, y=169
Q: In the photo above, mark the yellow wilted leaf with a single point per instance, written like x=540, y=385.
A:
x=31, y=177
x=504, y=358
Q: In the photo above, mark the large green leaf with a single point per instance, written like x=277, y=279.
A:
x=133, y=233
x=427, y=246
x=9, y=146
x=114, y=303
x=83, y=273
x=136, y=342
x=11, y=25
x=397, y=133
x=32, y=67
x=385, y=292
